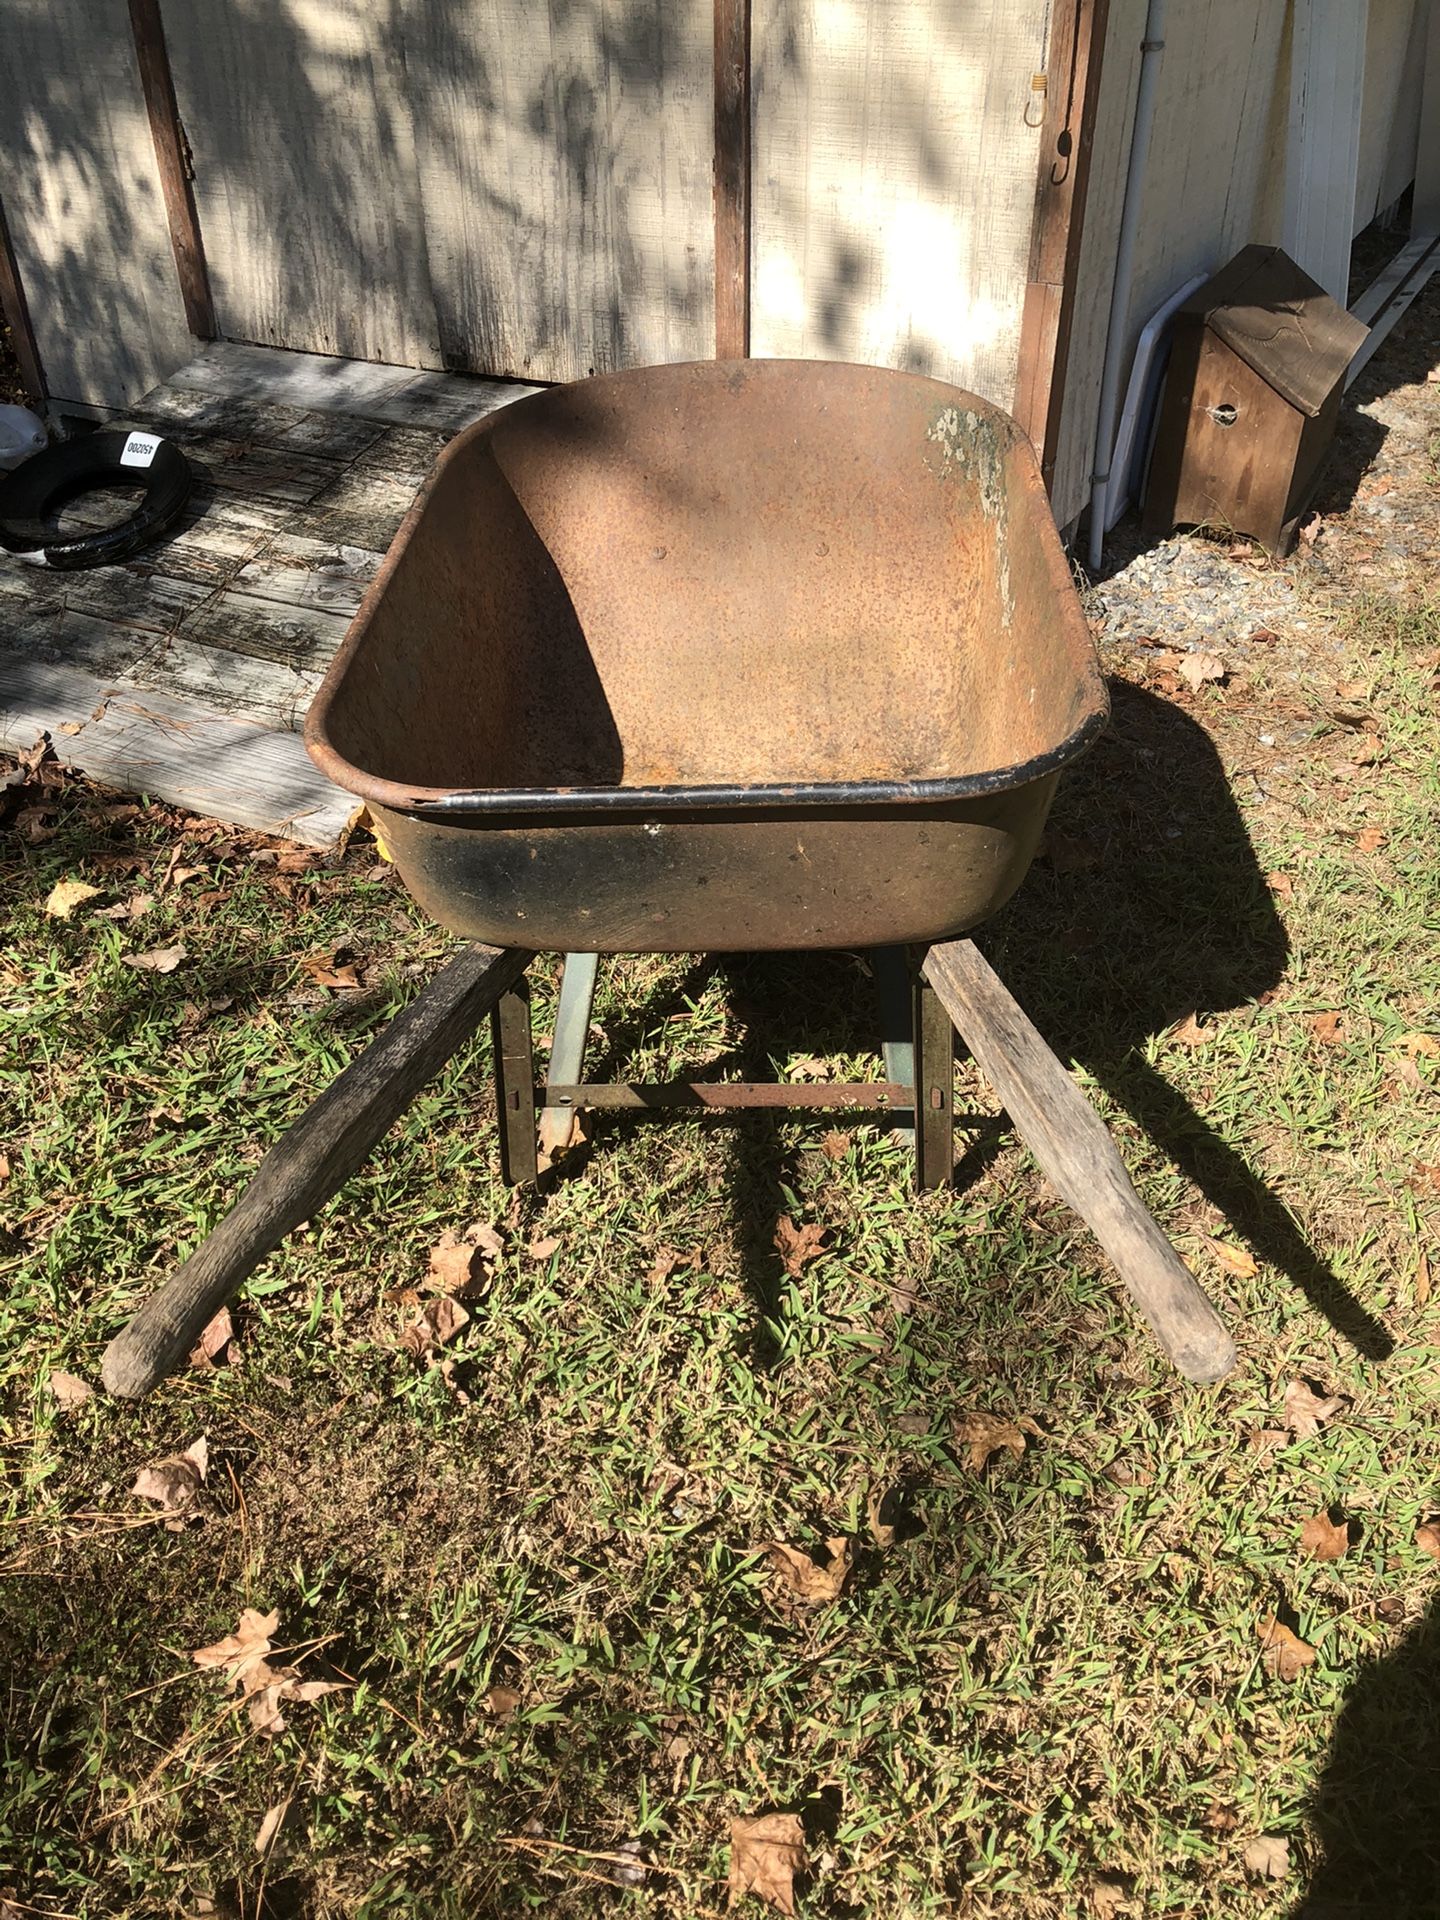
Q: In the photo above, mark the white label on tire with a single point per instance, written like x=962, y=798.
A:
x=140, y=449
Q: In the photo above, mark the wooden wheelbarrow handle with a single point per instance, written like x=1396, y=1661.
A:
x=310, y=1163
x=1075, y=1151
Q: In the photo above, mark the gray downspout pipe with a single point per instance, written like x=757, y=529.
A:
x=1150, y=50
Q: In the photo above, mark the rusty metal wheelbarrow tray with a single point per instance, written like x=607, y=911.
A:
x=764, y=654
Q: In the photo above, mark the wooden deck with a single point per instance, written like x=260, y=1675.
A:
x=185, y=673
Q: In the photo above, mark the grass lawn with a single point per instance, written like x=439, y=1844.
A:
x=535, y=1575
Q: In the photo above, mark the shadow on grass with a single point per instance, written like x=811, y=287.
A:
x=1376, y=1810
x=1164, y=912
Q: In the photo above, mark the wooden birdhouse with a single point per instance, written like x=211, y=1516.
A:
x=1252, y=397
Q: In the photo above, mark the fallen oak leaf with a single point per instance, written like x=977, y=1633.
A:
x=270, y=1826
x=985, y=1435
x=1280, y=884
x=1268, y=1857
x=1189, y=1032
x=882, y=1531
x=239, y=1652
x=66, y=895
x=1370, y=839
x=458, y=1267
x=157, y=960
x=835, y=1145
x=1420, y=1046
x=327, y=970
x=277, y=1684
x=1284, y=1653
x=1321, y=1539
x=1427, y=1538
x=175, y=1483
x=766, y=1853
x=210, y=1347
x=436, y=1323
x=806, y=1579
x=798, y=1246
x=500, y=1703
x=1201, y=666
x=1235, y=1260
x=69, y=1389
x=1304, y=1410
x=1328, y=1028
x=1109, y=1897
x=543, y=1249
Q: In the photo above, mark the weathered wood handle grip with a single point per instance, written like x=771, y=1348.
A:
x=310, y=1163
x=1076, y=1153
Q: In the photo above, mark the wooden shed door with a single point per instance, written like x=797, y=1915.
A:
x=512, y=186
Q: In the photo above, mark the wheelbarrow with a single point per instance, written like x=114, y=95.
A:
x=726, y=656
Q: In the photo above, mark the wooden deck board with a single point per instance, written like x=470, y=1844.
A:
x=172, y=749
x=202, y=654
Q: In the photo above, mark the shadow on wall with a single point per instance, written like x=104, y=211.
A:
x=1376, y=1811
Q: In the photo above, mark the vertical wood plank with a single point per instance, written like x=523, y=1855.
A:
x=732, y=179
x=1327, y=83
x=84, y=202
x=566, y=150
x=170, y=157
x=894, y=182
x=1073, y=65
x=305, y=174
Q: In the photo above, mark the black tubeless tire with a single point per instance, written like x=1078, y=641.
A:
x=94, y=461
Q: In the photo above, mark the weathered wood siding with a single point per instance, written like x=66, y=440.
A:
x=83, y=200
x=565, y=156
x=894, y=182
x=1390, y=122
x=305, y=174
x=1217, y=173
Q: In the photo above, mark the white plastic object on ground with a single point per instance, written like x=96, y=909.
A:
x=21, y=434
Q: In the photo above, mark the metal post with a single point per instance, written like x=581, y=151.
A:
x=934, y=1090
x=515, y=1086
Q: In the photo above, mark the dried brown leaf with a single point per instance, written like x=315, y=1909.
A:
x=157, y=960
x=835, y=1145
x=500, y=1702
x=1201, y=666
x=1280, y=884
x=1327, y=1028
x=66, y=895
x=457, y=1267
x=1421, y=1046
x=985, y=1434
x=241, y=1652
x=439, y=1321
x=69, y=1389
x=174, y=1483
x=1422, y=1280
x=1370, y=839
x=806, y=1579
x=1321, y=1539
x=328, y=970
x=882, y=1531
x=1285, y=1654
x=798, y=1246
x=1266, y=1439
x=1234, y=1259
x=1108, y=1897
x=209, y=1349
x=1268, y=1857
x=544, y=1248
x=1305, y=1411
x=766, y=1853
x=1189, y=1032
x=1427, y=1538
x=270, y=1826
x=561, y=1130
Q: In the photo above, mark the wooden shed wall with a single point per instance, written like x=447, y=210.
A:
x=83, y=201
x=525, y=186
x=1216, y=174
x=896, y=144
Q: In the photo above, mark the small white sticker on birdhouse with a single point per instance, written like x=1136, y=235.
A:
x=140, y=449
